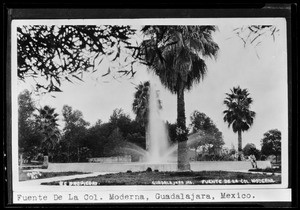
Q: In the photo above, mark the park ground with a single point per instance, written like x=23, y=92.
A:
x=153, y=178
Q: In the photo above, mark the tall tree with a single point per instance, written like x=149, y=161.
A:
x=26, y=109
x=140, y=105
x=97, y=137
x=56, y=53
x=114, y=145
x=271, y=143
x=238, y=113
x=200, y=121
x=75, y=130
x=47, y=119
x=120, y=120
x=176, y=54
x=29, y=138
x=206, y=132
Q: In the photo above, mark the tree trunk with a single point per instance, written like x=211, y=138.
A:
x=239, y=145
x=182, y=160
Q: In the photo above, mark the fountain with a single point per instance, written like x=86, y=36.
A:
x=158, y=149
x=157, y=133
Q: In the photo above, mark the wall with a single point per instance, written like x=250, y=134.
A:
x=123, y=167
x=118, y=159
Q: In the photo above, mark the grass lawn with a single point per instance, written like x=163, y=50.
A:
x=23, y=176
x=175, y=178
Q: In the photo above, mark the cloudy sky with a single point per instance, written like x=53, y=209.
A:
x=262, y=69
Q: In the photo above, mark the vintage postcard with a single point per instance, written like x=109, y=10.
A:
x=150, y=110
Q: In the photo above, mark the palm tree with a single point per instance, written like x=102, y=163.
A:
x=238, y=113
x=140, y=106
x=47, y=120
x=176, y=54
x=140, y=103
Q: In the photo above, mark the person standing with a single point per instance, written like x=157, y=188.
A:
x=253, y=161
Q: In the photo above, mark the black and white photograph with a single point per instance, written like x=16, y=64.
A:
x=165, y=110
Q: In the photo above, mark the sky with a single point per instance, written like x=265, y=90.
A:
x=261, y=69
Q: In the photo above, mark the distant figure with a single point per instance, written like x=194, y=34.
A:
x=253, y=161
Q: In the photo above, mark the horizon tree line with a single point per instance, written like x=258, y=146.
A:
x=78, y=139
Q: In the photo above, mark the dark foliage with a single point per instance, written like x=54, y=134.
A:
x=56, y=53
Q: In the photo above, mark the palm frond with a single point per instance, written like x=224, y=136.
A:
x=238, y=113
x=176, y=53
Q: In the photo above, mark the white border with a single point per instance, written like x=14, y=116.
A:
x=174, y=21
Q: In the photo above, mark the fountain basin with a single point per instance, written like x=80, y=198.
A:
x=138, y=166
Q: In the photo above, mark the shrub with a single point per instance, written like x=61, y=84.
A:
x=263, y=157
